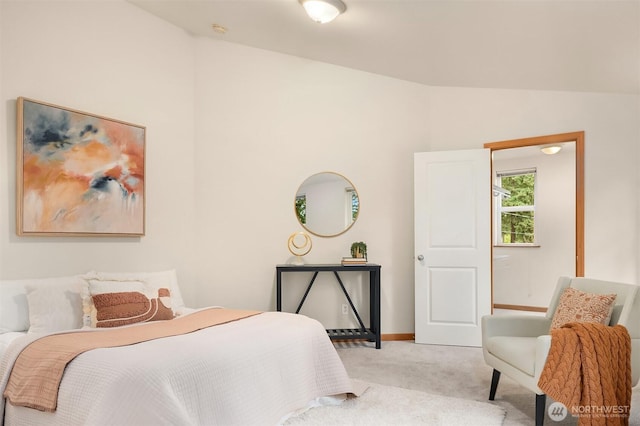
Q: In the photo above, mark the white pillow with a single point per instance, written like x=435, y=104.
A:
x=14, y=306
x=161, y=279
x=56, y=307
x=14, y=309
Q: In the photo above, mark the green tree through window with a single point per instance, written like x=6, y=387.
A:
x=355, y=205
x=301, y=208
x=517, y=211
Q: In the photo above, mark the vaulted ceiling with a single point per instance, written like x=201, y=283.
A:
x=573, y=45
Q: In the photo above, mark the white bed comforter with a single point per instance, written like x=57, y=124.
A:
x=249, y=372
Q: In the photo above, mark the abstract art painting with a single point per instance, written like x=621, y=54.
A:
x=78, y=174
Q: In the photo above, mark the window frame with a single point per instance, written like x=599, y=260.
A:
x=499, y=209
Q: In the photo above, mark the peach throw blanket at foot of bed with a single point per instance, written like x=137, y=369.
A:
x=36, y=374
x=588, y=369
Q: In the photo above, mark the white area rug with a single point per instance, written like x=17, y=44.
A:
x=388, y=405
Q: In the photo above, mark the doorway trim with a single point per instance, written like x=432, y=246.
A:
x=578, y=138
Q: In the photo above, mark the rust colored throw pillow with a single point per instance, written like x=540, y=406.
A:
x=124, y=308
x=579, y=306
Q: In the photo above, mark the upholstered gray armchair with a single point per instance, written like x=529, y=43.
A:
x=517, y=345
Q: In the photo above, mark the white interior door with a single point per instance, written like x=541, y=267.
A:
x=452, y=245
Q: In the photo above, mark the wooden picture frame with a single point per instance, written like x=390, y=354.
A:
x=78, y=174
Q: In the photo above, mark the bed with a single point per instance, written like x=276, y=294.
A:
x=255, y=370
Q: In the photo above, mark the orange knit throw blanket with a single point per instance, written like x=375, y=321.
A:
x=588, y=369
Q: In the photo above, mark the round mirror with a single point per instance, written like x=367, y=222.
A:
x=327, y=204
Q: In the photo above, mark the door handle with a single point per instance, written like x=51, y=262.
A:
x=420, y=257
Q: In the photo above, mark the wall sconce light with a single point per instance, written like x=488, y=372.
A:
x=551, y=149
x=323, y=11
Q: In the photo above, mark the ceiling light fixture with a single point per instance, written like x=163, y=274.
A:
x=323, y=11
x=551, y=149
x=218, y=28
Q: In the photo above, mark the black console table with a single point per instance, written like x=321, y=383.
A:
x=363, y=333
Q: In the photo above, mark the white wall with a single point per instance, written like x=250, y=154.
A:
x=232, y=132
x=265, y=122
x=527, y=275
x=112, y=59
x=468, y=118
x=286, y=118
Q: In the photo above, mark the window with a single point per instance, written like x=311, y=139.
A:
x=515, y=208
x=353, y=205
x=301, y=208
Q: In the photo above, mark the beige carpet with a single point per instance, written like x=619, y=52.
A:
x=448, y=371
x=388, y=405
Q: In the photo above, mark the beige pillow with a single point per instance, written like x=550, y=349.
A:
x=161, y=279
x=115, y=303
x=125, y=308
x=579, y=306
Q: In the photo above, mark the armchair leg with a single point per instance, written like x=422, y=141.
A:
x=541, y=401
x=495, y=378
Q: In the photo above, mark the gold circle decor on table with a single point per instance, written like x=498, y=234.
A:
x=299, y=243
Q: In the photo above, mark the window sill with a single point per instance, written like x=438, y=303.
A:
x=519, y=245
